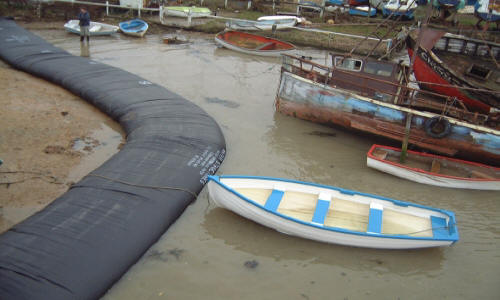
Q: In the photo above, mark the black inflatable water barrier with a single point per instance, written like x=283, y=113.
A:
x=81, y=243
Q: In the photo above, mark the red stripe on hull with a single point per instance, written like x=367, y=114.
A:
x=423, y=72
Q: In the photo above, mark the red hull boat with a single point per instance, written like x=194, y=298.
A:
x=458, y=66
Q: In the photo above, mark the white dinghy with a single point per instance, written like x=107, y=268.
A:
x=95, y=28
x=334, y=215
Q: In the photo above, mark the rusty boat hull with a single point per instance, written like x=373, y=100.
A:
x=309, y=100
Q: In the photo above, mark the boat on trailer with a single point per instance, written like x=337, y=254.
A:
x=252, y=44
x=458, y=66
x=333, y=215
x=136, y=27
x=95, y=28
x=433, y=169
x=374, y=96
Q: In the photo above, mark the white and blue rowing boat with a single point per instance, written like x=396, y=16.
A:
x=95, y=28
x=333, y=215
x=136, y=27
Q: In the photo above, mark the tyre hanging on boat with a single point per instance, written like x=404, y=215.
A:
x=437, y=127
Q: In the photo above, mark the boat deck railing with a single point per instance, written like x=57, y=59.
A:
x=405, y=96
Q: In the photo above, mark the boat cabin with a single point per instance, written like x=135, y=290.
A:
x=383, y=81
x=376, y=79
x=379, y=80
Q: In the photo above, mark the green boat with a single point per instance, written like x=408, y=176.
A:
x=184, y=11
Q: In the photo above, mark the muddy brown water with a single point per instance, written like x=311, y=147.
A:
x=211, y=253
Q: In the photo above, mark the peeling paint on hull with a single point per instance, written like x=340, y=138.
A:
x=305, y=99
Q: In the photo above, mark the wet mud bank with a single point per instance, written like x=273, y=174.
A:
x=49, y=139
x=82, y=242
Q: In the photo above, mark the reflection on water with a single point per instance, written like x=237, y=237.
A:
x=211, y=253
x=84, y=50
x=241, y=234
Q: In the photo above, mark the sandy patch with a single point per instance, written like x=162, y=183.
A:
x=49, y=138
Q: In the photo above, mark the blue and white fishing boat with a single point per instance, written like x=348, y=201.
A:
x=397, y=8
x=136, y=27
x=334, y=215
x=95, y=28
x=364, y=11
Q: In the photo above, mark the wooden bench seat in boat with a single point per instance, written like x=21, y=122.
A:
x=436, y=166
x=439, y=227
x=266, y=46
x=322, y=207
x=274, y=199
x=375, y=218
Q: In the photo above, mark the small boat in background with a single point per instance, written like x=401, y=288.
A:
x=358, y=2
x=136, y=27
x=434, y=169
x=378, y=4
x=364, y=11
x=282, y=19
x=333, y=215
x=403, y=8
x=252, y=44
x=265, y=24
x=95, y=28
x=487, y=11
x=184, y=11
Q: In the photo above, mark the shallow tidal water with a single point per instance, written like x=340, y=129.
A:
x=211, y=253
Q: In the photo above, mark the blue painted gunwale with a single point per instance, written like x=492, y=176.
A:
x=454, y=237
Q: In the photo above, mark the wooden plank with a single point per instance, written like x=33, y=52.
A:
x=436, y=166
x=380, y=154
x=397, y=222
x=257, y=195
x=478, y=174
x=348, y=215
x=298, y=205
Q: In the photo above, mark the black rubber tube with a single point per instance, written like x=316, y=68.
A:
x=83, y=242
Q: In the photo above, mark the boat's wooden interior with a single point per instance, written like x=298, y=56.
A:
x=243, y=41
x=462, y=64
x=342, y=213
x=438, y=166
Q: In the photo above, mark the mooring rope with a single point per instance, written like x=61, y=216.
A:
x=144, y=186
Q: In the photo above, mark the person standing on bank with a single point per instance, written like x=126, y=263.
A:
x=84, y=18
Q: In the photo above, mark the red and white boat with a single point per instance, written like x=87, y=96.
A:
x=434, y=169
x=458, y=66
x=252, y=43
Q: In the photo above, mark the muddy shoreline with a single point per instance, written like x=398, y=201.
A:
x=49, y=139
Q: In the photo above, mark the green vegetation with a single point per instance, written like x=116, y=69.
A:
x=212, y=26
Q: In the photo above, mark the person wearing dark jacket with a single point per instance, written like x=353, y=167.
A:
x=84, y=18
